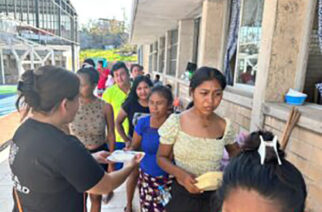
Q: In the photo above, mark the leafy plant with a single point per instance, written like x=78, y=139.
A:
x=110, y=55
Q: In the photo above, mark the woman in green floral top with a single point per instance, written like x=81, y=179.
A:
x=196, y=138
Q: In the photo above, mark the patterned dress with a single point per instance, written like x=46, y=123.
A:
x=196, y=155
x=150, y=198
x=89, y=124
x=151, y=176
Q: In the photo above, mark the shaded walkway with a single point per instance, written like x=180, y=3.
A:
x=8, y=125
x=6, y=203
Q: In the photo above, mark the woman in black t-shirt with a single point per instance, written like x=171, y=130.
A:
x=134, y=107
x=50, y=169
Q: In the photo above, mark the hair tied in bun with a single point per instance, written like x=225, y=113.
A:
x=271, y=144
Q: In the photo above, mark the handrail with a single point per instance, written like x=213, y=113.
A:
x=41, y=30
x=5, y=145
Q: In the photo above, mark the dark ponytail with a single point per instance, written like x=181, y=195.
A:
x=28, y=89
x=283, y=183
x=44, y=89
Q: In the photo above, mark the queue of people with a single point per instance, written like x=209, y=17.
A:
x=51, y=170
x=133, y=108
x=55, y=170
x=93, y=123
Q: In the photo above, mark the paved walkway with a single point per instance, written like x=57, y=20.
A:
x=5, y=182
x=115, y=205
x=8, y=124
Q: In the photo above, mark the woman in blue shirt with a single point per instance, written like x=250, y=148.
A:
x=146, y=137
x=134, y=107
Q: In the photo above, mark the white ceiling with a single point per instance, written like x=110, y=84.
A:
x=152, y=18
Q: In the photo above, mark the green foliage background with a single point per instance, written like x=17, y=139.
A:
x=8, y=89
x=110, y=55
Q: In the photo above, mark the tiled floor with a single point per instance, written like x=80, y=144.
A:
x=115, y=205
x=5, y=183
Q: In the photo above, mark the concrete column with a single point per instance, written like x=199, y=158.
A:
x=215, y=15
x=146, y=52
x=185, y=45
x=286, y=30
x=166, y=53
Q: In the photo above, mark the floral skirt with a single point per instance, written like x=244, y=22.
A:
x=150, y=199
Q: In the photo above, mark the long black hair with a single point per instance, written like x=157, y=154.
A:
x=133, y=95
x=45, y=88
x=281, y=183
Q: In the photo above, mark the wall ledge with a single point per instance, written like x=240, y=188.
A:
x=239, y=97
x=183, y=82
x=311, y=114
x=169, y=77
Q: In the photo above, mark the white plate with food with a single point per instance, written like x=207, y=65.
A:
x=122, y=156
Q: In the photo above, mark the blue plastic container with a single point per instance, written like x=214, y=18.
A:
x=295, y=100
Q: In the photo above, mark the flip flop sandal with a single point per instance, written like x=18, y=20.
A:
x=108, y=198
x=125, y=210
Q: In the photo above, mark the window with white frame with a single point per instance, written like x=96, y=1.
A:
x=249, y=37
x=161, y=54
x=172, y=53
x=313, y=72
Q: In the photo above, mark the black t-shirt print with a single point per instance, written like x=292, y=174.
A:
x=50, y=170
x=134, y=111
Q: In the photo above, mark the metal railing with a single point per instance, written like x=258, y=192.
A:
x=43, y=18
